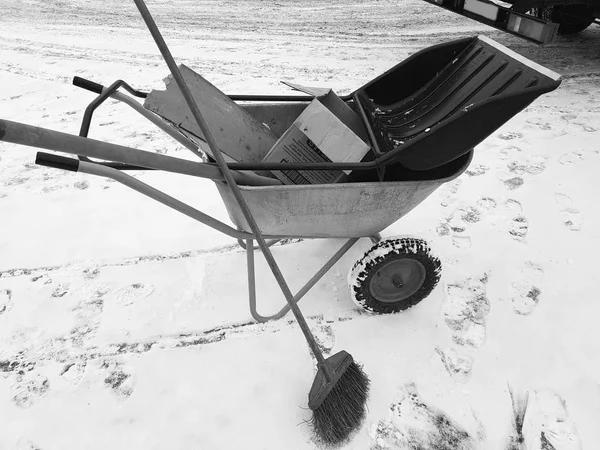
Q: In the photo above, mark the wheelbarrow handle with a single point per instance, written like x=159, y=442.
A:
x=98, y=88
x=88, y=85
x=57, y=161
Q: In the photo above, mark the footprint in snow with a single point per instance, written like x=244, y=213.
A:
x=518, y=224
x=325, y=337
x=449, y=192
x=43, y=278
x=587, y=128
x=133, y=293
x=571, y=158
x=16, y=180
x=547, y=424
x=74, y=372
x=477, y=170
x=541, y=422
x=91, y=273
x=513, y=183
x=563, y=200
x=510, y=135
x=81, y=185
x=531, y=165
x=117, y=379
x=28, y=388
x=49, y=189
x=508, y=214
x=60, y=291
x=568, y=117
x=458, y=364
x=456, y=224
x=109, y=181
x=5, y=301
x=519, y=165
x=465, y=313
x=89, y=312
x=519, y=228
x=510, y=152
x=525, y=291
x=571, y=217
x=413, y=424
x=544, y=126
x=461, y=241
x=486, y=203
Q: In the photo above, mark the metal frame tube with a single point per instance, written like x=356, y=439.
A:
x=161, y=197
x=301, y=293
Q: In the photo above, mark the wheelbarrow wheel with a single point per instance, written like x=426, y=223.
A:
x=394, y=275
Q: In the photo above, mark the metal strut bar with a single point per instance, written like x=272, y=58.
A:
x=237, y=193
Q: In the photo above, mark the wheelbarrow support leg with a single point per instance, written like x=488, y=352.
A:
x=301, y=293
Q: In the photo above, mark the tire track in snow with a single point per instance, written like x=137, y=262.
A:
x=63, y=351
x=39, y=272
x=71, y=348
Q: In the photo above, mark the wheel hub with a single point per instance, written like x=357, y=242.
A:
x=397, y=280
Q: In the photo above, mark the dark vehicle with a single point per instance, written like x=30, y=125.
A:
x=535, y=20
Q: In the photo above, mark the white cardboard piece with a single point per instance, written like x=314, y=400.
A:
x=317, y=135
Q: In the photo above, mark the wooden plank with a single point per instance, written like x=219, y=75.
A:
x=238, y=134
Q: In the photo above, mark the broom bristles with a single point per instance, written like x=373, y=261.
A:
x=344, y=408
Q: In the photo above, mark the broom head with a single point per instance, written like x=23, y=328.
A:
x=338, y=405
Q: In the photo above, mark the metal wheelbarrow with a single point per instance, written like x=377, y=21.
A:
x=423, y=117
x=422, y=120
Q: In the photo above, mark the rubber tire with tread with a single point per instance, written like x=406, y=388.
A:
x=381, y=254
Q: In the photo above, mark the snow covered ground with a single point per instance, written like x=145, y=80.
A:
x=125, y=325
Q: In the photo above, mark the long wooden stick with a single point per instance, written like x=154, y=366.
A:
x=187, y=95
x=20, y=133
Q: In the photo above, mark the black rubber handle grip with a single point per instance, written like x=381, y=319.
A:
x=87, y=84
x=56, y=161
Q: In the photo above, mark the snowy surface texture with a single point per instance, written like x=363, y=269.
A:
x=125, y=325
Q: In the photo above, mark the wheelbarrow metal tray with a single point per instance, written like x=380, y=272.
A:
x=334, y=210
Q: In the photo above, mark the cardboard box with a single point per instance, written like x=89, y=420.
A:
x=321, y=133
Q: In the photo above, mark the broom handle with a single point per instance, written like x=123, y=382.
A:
x=187, y=95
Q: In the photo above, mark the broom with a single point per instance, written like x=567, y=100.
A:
x=339, y=392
